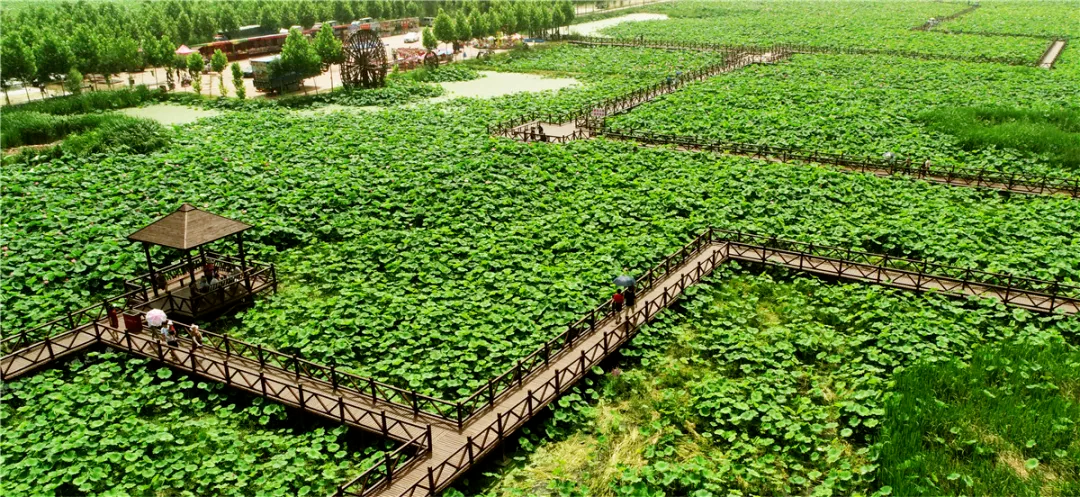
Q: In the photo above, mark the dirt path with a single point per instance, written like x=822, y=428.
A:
x=1052, y=54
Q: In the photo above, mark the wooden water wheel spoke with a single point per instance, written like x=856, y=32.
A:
x=365, y=60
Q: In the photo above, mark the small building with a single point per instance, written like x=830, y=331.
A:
x=202, y=284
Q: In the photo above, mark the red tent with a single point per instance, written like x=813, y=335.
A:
x=184, y=50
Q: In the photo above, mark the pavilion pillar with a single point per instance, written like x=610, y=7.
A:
x=243, y=261
x=202, y=255
x=190, y=267
x=150, y=266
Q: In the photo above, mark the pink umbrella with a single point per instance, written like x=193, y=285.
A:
x=184, y=50
x=156, y=317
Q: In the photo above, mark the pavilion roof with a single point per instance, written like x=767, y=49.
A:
x=187, y=228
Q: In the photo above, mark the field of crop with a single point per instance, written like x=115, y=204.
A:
x=834, y=24
x=865, y=105
x=1044, y=18
x=414, y=248
x=109, y=424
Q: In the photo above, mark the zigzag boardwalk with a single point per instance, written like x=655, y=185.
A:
x=443, y=439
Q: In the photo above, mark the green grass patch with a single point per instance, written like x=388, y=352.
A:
x=1050, y=131
x=1005, y=424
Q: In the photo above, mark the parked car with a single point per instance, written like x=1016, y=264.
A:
x=412, y=37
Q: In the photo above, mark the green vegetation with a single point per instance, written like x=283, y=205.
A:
x=1007, y=423
x=601, y=63
x=766, y=383
x=867, y=24
x=1045, y=18
x=444, y=74
x=869, y=105
x=415, y=248
x=83, y=134
x=1044, y=131
x=89, y=102
x=110, y=424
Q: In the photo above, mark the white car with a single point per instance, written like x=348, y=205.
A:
x=412, y=37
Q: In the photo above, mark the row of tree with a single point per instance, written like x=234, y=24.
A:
x=42, y=43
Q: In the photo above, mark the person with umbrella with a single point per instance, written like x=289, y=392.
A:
x=629, y=296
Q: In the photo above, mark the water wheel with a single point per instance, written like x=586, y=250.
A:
x=365, y=60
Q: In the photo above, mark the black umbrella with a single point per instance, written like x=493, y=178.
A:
x=625, y=281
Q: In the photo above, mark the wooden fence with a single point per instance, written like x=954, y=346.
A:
x=953, y=174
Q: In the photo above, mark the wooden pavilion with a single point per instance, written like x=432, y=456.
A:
x=202, y=284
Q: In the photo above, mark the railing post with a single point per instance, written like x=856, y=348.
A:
x=228, y=375
x=262, y=380
x=431, y=481
x=228, y=350
x=48, y=345
x=499, y=425
x=374, y=392
x=262, y=359
x=415, y=405
x=389, y=469
x=382, y=418
x=491, y=392
x=333, y=375
x=296, y=364
x=558, y=374
x=300, y=394
x=460, y=417
x=341, y=409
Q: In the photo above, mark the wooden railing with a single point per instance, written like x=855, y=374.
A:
x=954, y=175
x=381, y=474
x=794, y=48
x=510, y=419
x=928, y=25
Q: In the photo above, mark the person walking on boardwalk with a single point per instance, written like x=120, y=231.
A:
x=617, y=305
x=196, y=336
x=626, y=282
x=170, y=335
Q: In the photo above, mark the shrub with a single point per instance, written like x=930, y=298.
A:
x=89, y=102
x=124, y=134
x=442, y=74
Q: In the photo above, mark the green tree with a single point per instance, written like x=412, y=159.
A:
x=568, y=12
x=218, y=61
x=343, y=12
x=16, y=63
x=195, y=64
x=462, y=29
x=297, y=56
x=203, y=26
x=269, y=16
x=120, y=54
x=413, y=9
x=445, y=31
x=184, y=29
x=86, y=48
x=166, y=52
x=73, y=81
x=52, y=57
x=306, y=15
x=238, y=81
x=227, y=20
x=430, y=42
x=178, y=63
x=329, y=49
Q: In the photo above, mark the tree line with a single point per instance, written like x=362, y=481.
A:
x=43, y=42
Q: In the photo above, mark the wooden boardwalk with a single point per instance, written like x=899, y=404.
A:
x=439, y=445
x=1052, y=53
x=1002, y=182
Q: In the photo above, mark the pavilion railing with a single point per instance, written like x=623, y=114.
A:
x=953, y=174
